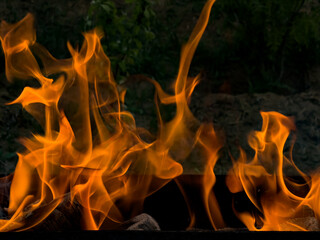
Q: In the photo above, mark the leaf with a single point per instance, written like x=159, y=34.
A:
x=106, y=8
x=146, y=13
x=138, y=43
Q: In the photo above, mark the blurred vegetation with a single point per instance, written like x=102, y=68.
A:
x=128, y=36
x=250, y=46
x=273, y=43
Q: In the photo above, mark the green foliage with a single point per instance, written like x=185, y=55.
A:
x=137, y=41
x=128, y=35
x=258, y=46
x=274, y=43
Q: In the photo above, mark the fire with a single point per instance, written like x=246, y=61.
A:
x=96, y=170
x=279, y=200
x=93, y=152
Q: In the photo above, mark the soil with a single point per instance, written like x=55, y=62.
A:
x=238, y=115
x=235, y=116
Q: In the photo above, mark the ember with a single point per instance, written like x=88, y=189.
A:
x=95, y=164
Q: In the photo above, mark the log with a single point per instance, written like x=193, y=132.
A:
x=142, y=222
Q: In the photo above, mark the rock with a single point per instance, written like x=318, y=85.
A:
x=142, y=222
x=304, y=223
x=66, y=217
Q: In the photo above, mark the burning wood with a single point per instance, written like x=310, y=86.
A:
x=141, y=222
x=92, y=164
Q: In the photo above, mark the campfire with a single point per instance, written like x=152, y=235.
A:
x=92, y=168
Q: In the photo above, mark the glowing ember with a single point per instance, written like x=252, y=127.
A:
x=92, y=149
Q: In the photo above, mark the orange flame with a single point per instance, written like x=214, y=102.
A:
x=267, y=180
x=91, y=148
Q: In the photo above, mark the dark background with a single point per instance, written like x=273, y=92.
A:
x=254, y=55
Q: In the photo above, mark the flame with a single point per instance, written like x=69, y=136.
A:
x=211, y=144
x=92, y=152
x=91, y=148
x=279, y=199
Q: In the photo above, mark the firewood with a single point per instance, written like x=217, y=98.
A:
x=66, y=217
x=5, y=184
x=142, y=222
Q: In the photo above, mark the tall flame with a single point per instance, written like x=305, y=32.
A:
x=91, y=148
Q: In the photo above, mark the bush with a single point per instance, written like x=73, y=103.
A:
x=274, y=42
x=128, y=35
x=255, y=46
